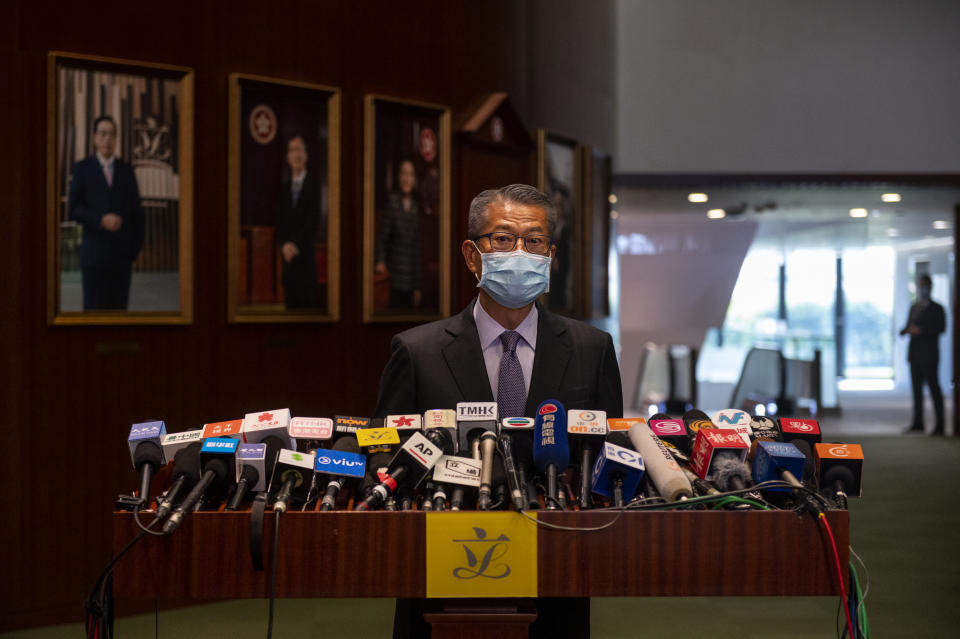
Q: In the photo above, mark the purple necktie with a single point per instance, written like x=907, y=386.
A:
x=511, y=393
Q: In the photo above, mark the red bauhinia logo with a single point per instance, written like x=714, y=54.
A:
x=265, y=417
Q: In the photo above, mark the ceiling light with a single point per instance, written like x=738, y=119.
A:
x=858, y=213
x=697, y=197
x=716, y=214
x=941, y=225
x=893, y=233
x=613, y=214
x=612, y=198
x=890, y=197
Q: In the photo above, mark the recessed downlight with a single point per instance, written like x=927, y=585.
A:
x=941, y=225
x=893, y=233
x=716, y=214
x=697, y=197
x=890, y=197
x=858, y=213
x=612, y=198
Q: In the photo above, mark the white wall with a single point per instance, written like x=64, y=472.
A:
x=788, y=86
x=680, y=283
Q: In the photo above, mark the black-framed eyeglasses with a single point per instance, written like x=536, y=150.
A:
x=502, y=241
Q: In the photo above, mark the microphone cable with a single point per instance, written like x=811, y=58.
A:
x=836, y=557
x=273, y=570
x=99, y=605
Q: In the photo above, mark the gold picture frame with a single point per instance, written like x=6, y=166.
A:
x=267, y=118
x=560, y=176
x=406, y=142
x=138, y=270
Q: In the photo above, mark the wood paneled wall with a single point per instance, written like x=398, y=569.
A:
x=69, y=394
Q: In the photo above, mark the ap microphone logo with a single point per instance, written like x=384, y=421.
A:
x=548, y=408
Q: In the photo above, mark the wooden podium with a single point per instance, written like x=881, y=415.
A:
x=383, y=554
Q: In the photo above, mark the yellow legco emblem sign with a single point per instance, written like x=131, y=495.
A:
x=472, y=554
x=377, y=436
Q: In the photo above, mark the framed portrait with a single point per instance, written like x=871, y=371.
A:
x=119, y=191
x=406, y=210
x=559, y=176
x=598, y=171
x=283, y=201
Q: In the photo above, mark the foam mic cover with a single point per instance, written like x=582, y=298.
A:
x=730, y=473
x=809, y=464
x=550, y=445
x=186, y=473
x=661, y=468
x=499, y=480
x=840, y=467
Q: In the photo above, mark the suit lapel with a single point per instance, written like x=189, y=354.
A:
x=550, y=360
x=464, y=358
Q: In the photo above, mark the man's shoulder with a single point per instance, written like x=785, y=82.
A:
x=431, y=331
x=577, y=328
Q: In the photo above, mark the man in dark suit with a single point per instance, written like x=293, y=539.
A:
x=504, y=347
x=924, y=324
x=105, y=199
x=298, y=216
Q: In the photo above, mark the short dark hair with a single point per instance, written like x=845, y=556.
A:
x=294, y=137
x=516, y=193
x=104, y=118
x=925, y=279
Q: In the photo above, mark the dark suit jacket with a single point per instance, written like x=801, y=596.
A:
x=298, y=224
x=932, y=320
x=91, y=198
x=439, y=364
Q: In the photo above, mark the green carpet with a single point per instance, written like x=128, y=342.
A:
x=906, y=529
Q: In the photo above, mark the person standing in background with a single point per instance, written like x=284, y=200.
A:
x=105, y=200
x=924, y=324
x=398, y=248
x=298, y=216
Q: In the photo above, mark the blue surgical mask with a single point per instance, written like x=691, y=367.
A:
x=514, y=278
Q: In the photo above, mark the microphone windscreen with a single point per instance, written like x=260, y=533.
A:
x=809, y=464
x=522, y=448
x=728, y=468
x=658, y=416
x=187, y=462
x=694, y=414
x=147, y=452
x=550, y=444
x=347, y=445
x=620, y=438
x=843, y=474
x=376, y=462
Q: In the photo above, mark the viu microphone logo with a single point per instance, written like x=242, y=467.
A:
x=490, y=550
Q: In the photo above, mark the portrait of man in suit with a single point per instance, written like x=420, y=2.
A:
x=105, y=200
x=504, y=347
x=298, y=216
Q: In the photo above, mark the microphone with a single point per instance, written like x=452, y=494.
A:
x=840, y=468
x=458, y=470
x=291, y=477
x=251, y=472
x=730, y=473
x=499, y=482
x=344, y=425
x=270, y=424
x=694, y=420
x=488, y=444
x=186, y=473
x=588, y=428
x=232, y=428
x=344, y=464
x=618, y=469
x=730, y=418
x=661, y=468
x=175, y=442
x=671, y=431
x=410, y=464
x=474, y=419
x=764, y=428
x=216, y=459
x=145, y=442
x=551, y=451
x=782, y=460
x=803, y=433
x=442, y=418
x=308, y=432
x=712, y=444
